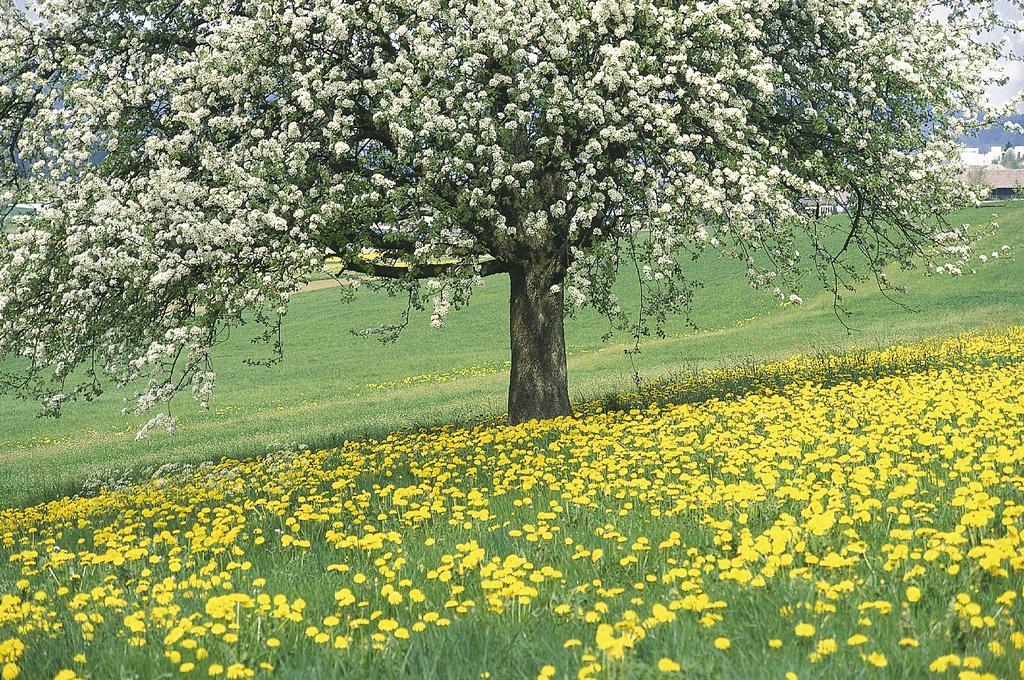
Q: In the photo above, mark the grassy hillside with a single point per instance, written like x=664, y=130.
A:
x=5, y=224
x=333, y=384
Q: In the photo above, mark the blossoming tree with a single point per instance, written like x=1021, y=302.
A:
x=194, y=159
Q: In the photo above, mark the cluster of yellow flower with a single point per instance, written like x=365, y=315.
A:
x=35, y=442
x=829, y=368
x=828, y=526
x=448, y=376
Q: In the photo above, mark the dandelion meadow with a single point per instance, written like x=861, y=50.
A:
x=848, y=516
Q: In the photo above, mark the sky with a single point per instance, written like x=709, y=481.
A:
x=997, y=95
x=1000, y=95
x=1013, y=69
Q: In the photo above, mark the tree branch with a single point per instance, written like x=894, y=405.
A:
x=419, y=271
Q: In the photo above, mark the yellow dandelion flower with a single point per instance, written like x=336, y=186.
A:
x=666, y=665
x=804, y=630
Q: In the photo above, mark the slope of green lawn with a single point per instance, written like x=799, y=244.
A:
x=333, y=384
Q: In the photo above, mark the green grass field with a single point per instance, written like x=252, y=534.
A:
x=333, y=384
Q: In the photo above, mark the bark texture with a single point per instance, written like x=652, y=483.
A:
x=539, y=386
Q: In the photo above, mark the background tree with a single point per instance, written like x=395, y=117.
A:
x=196, y=158
x=1009, y=159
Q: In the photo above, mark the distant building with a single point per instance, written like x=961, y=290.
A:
x=824, y=205
x=1005, y=182
x=972, y=156
x=975, y=157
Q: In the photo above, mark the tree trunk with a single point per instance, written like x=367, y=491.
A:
x=539, y=386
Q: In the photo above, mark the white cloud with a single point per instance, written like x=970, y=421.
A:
x=1000, y=94
x=1012, y=69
